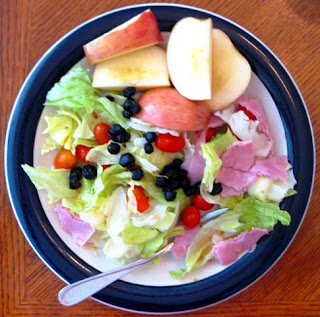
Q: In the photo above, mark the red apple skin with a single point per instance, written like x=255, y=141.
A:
x=142, y=32
x=166, y=108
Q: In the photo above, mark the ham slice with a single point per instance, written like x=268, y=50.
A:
x=230, y=191
x=228, y=251
x=239, y=180
x=239, y=155
x=274, y=167
x=257, y=110
x=195, y=164
x=80, y=230
x=181, y=243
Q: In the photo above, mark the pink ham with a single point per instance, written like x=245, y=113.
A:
x=196, y=164
x=228, y=251
x=239, y=155
x=166, y=108
x=181, y=243
x=80, y=230
x=239, y=180
x=230, y=191
x=274, y=167
x=257, y=110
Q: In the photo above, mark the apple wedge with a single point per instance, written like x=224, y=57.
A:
x=143, y=69
x=166, y=108
x=231, y=72
x=189, y=56
x=139, y=32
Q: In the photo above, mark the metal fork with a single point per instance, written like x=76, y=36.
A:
x=76, y=292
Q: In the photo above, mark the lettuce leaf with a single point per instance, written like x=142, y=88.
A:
x=55, y=182
x=74, y=90
x=132, y=234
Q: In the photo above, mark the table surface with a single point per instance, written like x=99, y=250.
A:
x=289, y=27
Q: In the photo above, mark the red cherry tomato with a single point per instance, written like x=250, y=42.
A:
x=100, y=132
x=142, y=199
x=211, y=133
x=249, y=114
x=200, y=203
x=82, y=151
x=105, y=166
x=191, y=217
x=169, y=143
x=65, y=159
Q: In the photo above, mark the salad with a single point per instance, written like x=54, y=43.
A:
x=158, y=138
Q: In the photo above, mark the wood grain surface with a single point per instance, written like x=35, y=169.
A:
x=289, y=27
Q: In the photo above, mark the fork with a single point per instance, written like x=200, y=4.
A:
x=76, y=292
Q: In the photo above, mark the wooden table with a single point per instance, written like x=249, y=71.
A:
x=289, y=27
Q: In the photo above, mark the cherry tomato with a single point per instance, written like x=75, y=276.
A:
x=142, y=199
x=211, y=133
x=249, y=114
x=200, y=203
x=169, y=143
x=191, y=217
x=100, y=132
x=65, y=159
x=105, y=166
x=82, y=151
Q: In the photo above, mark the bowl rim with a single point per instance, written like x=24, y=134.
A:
x=150, y=5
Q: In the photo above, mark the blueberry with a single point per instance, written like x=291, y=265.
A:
x=128, y=92
x=115, y=130
x=184, y=183
x=170, y=195
x=89, y=171
x=127, y=104
x=135, y=107
x=122, y=138
x=161, y=182
x=172, y=184
x=217, y=189
x=198, y=185
x=74, y=183
x=177, y=162
x=137, y=173
x=113, y=148
x=183, y=174
x=127, y=114
x=148, y=148
x=190, y=190
x=170, y=171
x=110, y=98
x=127, y=160
x=150, y=137
x=76, y=173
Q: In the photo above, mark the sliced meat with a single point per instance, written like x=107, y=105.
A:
x=228, y=251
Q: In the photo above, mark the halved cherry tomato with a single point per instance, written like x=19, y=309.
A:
x=100, y=132
x=82, y=151
x=249, y=114
x=169, y=143
x=142, y=199
x=65, y=159
x=191, y=216
x=200, y=203
x=211, y=133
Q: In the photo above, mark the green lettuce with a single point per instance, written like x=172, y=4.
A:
x=74, y=90
x=55, y=182
x=132, y=234
x=223, y=141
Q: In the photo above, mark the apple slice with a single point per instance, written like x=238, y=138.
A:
x=189, y=55
x=143, y=69
x=231, y=72
x=166, y=108
x=138, y=32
